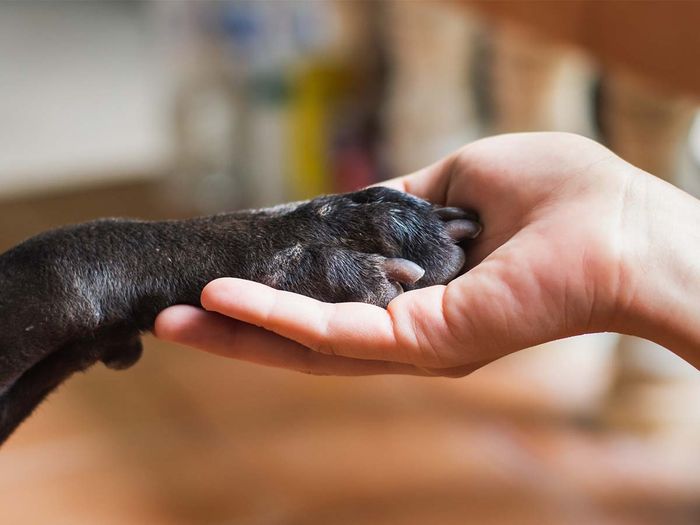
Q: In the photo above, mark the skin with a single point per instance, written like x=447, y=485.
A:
x=575, y=240
x=84, y=293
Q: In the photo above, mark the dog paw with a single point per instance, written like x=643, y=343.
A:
x=82, y=294
x=369, y=246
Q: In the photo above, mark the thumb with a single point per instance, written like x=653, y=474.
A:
x=411, y=330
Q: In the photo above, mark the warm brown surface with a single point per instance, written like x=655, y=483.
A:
x=188, y=438
x=657, y=39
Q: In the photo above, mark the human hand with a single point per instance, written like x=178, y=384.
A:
x=558, y=257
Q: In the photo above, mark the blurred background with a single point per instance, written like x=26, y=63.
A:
x=160, y=109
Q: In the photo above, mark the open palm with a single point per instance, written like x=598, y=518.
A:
x=550, y=263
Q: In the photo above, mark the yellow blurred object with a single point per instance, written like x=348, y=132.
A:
x=316, y=89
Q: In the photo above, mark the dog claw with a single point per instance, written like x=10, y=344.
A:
x=403, y=270
x=450, y=213
x=463, y=229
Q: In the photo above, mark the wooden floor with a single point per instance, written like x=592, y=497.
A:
x=188, y=438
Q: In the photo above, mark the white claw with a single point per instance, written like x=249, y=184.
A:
x=463, y=229
x=403, y=270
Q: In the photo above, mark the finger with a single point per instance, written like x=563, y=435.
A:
x=457, y=371
x=311, y=323
x=413, y=322
x=233, y=339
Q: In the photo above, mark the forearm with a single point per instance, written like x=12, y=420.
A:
x=663, y=304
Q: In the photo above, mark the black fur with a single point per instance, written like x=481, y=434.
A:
x=80, y=294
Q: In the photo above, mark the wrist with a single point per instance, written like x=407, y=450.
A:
x=659, y=296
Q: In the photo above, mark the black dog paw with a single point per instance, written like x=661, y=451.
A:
x=81, y=294
x=369, y=246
